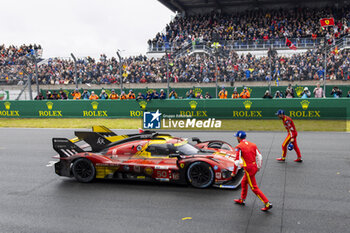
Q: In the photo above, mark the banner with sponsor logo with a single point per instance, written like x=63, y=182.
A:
x=4, y=95
x=180, y=109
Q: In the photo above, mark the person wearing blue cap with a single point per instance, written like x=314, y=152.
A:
x=250, y=158
x=291, y=140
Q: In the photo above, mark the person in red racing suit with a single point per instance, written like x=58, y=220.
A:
x=249, y=156
x=291, y=137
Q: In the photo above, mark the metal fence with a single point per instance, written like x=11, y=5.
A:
x=304, y=43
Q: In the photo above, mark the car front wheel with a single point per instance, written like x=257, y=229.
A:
x=200, y=175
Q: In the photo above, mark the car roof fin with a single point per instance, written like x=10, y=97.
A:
x=103, y=130
x=97, y=141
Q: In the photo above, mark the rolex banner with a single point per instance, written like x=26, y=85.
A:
x=179, y=109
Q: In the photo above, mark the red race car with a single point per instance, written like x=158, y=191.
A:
x=148, y=156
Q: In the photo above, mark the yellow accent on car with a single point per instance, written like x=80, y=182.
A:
x=103, y=171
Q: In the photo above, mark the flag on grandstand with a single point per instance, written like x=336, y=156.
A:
x=325, y=22
x=277, y=82
x=335, y=51
x=290, y=44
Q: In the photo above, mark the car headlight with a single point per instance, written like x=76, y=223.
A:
x=226, y=173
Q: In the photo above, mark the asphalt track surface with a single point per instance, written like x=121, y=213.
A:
x=310, y=197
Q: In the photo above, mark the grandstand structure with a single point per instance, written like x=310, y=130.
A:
x=232, y=11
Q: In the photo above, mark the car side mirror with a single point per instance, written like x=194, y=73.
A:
x=175, y=156
x=195, y=139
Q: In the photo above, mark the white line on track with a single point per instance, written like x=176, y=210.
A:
x=50, y=163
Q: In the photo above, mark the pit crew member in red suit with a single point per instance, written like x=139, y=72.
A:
x=291, y=137
x=249, y=157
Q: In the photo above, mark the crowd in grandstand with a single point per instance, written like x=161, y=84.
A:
x=197, y=69
x=255, y=26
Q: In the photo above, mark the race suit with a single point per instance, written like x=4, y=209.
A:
x=292, y=133
x=251, y=158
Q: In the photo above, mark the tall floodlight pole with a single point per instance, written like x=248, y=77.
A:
x=120, y=70
x=216, y=47
x=36, y=73
x=30, y=86
x=216, y=75
x=167, y=70
x=325, y=70
x=75, y=70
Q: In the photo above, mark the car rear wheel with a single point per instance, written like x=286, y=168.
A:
x=200, y=175
x=83, y=170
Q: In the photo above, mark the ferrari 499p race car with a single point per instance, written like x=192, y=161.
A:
x=148, y=156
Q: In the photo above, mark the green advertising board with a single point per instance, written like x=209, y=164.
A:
x=196, y=108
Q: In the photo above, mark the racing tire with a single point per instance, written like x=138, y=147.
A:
x=200, y=175
x=83, y=170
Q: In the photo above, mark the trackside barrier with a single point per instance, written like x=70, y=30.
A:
x=201, y=108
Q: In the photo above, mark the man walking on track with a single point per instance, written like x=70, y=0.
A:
x=291, y=140
x=248, y=153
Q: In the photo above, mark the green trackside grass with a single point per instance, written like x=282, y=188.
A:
x=248, y=125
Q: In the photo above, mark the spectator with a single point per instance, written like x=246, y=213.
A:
x=235, y=94
x=149, y=96
x=155, y=94
x=55, y=96
x=123, y=96
x=278, y=95
x=93, y=96
x=289, y=93
x=49, y=95
x=199, y=95
x=62, y=95
x=207, y=96
x=318, y=91
x=336, y=92
x=113, y=95
x=306, y=94
x=162, y=95
x=85, y=95
x=267, y=95
x=245, y=93
x=223, y=93
x=103, y=95
x=173, y=94
x=76, y=94
x=40, y=96
x=131, y=95
x=140, y=96
x=190, y=94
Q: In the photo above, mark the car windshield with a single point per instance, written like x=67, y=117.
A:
x=187, y=149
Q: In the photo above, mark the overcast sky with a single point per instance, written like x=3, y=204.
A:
x=84, y=27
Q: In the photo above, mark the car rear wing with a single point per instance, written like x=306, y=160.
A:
x=65, y=148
